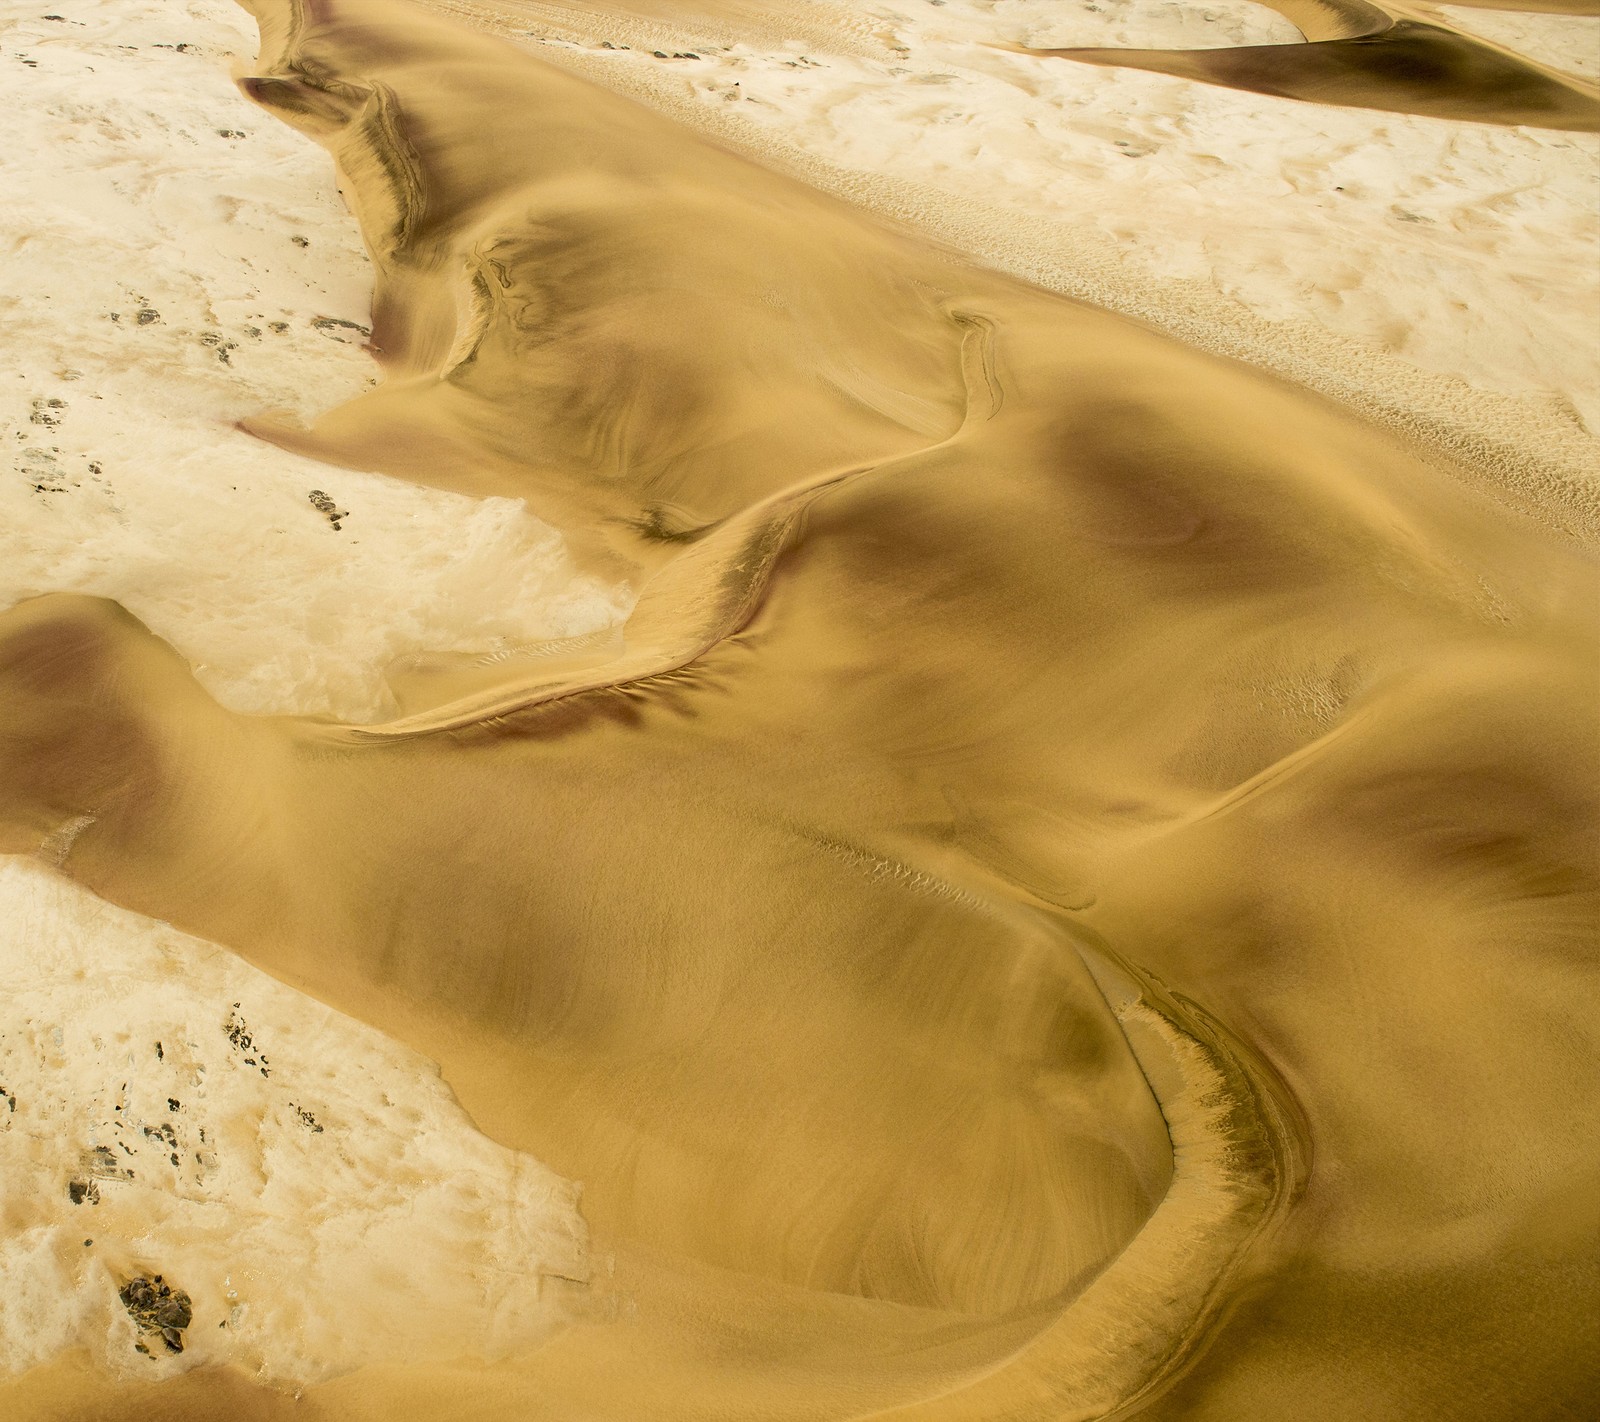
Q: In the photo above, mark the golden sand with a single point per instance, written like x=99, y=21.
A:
x=1406, y=58
x=1071, y=895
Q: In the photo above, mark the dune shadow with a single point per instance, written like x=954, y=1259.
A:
x=1360, y=56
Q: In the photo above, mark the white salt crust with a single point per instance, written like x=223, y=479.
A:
x=312, y=1185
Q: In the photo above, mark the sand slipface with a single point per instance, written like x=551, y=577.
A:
x=1070, y=894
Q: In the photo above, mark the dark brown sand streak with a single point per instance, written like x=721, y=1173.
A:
x=1374, y=56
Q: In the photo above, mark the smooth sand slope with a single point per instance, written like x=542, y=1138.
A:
x=1072, y=891
x=1397, y=57
x=174, y=259
x=1436, y=273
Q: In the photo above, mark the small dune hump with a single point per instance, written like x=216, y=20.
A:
x=1371, y=56
x=1069, y=894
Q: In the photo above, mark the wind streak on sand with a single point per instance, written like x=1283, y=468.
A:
x=1067, y=898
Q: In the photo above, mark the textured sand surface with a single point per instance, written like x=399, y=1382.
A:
x=174, y=261
x=1570, y=43
x=313, y=1186
x=1437, y=274
x=1071, y=893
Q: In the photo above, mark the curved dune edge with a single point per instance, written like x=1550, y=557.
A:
x=675, y=621
x=705, y=595
x=1525, y=450
x=1375, y=57
x=1238, y=1155
x=1321, y=530
x=1236, y=1160
x=1239, y=1158
x=1239, y=1162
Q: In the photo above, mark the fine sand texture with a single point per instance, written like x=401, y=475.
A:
x=1070, y=895
x=1434, y=272
x=174, y=260
x=1385, y=56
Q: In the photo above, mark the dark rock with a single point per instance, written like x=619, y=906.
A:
x=174, y=1312
x=336, y=323
x=156, y=1307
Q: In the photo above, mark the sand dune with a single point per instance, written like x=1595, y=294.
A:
x=1071, y=894
x=1380, y=57
x=1435, y=274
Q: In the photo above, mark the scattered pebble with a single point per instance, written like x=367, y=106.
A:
x=325, y=505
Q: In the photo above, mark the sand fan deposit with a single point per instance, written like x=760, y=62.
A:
x=1070, y=893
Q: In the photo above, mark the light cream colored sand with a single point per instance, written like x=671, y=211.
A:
x=155, y=293
x=1570, y=43
x=1438, y=275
